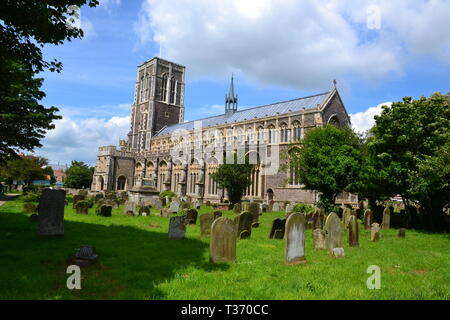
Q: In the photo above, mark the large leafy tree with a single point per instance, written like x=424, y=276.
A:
x=25, y=27
x=234, y=177
x=409, y=152
x=329, y=160
x=25, y=168
x=78, y=175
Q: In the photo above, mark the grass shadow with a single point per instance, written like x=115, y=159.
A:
x=132, y=261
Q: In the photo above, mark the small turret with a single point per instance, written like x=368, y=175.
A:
x=231, y=100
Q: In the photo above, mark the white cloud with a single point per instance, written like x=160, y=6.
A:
x=363, y=121
x=78, y=139
x=303, y=44
x=107, y=4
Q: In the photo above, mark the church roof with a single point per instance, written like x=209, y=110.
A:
x=265, y=111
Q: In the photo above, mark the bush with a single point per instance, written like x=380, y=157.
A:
x=167, y=193
x=303, y=208
x=31, y=197
x=185, y=205
x=82, y=207
x=90, y=201
x=83, y=193
x=69, y=198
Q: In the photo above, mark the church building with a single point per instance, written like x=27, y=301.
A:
x=162, y=152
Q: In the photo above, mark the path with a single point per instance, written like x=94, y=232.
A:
x=7, y=197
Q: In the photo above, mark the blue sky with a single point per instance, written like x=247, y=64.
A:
x=277, y=51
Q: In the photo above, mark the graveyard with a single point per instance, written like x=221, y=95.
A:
x=138, y=260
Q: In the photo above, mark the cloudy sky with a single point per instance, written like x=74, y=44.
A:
x=378, y=51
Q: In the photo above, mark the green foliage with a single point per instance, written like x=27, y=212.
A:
x=78, y=175
x=83, y=204
x=25, y=168
x=329, y=160
x=25, y=26
x=69, y=198
x=31, y=197
x=167, y=193
x=234, y=177
x=185, y=205
x=303, y=208
x=410, y=152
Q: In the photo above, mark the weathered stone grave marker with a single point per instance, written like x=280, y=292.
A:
x=223, y=241
x=386, y=223
x=375, y=232
x=319, y=239
x=278, y=228
x=295, y=239
x=206, y=221
x=51, y=213
x=353, y=232
x=368, y=219
x=244, y=225
x=333, y=231
x=177, y=227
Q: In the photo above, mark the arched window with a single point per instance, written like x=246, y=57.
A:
x=285, y=132
x=173, y=88
x=294, y=170
x=297, y=131
x=334, y=121
x=272, y=134
x=164, y=88
x=121, y=183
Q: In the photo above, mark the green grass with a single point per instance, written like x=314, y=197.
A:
x=140, y=262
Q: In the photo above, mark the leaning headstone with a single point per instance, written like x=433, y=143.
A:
x=105, y=211
x=206, y=221
x=375, y=232
x=244, y=225
x=333, y=231
x=319, y=239
x=353, y=232
x=367, y=219
x=295, y=239
x=222, y=247
x=402, y=233
x=191, y=216
x=51, y=212
x=253, y=208
x=177, y=227
x=86, y=255
x=237, y=208
x=217, y=214
x=174, y=206
x=386, y=224
x=338, y=253
x=277, y=230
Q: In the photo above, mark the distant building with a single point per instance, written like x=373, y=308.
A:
x=59, y=172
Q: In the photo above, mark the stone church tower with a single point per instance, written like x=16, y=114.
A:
x=158, y=101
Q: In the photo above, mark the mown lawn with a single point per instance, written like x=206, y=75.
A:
x=138, y=261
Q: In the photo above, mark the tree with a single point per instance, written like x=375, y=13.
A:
x=25, y=168
x=49, y=171
x=78, y=175
x=329, y=160
x=234, y=177
x=25, y=26
x=410, y=146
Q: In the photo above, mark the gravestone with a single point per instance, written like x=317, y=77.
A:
x=318, y=219
x=222, y=246
x=277, y=230
x=289, y=208
x=353, y=232
x=177, y=227
x=386, y=224
x=243, y=223
x=174, y=206
x=86, y=255
x=129, y=208
x=105, y=211
x=367, y=219
x=51, y=213
x=144, y=211
x=191, y=216
x=333, y=231
x=217, y=214
x=77, y=198
x=29, y=207
x=402, y=233
x=319, y=239
x=346, y=217
x=206, y=221
x=166, y=212
x=157, y=204
x=263, y=207
x=270, y=206
x=253, y=208
x=276, y=207
x=375, y=232
x=295, y=239
x=237, y=208
x=338, y=253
